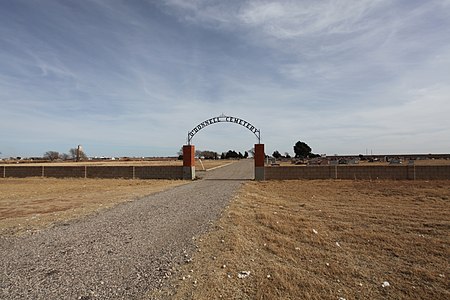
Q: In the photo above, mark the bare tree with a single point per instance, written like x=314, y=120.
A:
x=51, y=155
x=74, y=153
x=207, y=154
x=251, y=152
x=64, y=156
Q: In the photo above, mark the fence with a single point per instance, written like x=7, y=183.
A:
x=358, y=172
x=127, y=172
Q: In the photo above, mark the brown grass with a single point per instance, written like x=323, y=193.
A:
x=211, y=164
x=208, y=164
x=35, y=203
x=395, y=231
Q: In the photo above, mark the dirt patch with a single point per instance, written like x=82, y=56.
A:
x=326, y=240
x=35, y=203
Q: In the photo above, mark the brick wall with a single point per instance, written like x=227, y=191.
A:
x=127, y=172
x=432, y=172
x=65, y=172
x=159, y=172
x=313, y=172
x=372, y=172
x=271, y=173
x=21, y=172
x=357, y=172
x=110, y=172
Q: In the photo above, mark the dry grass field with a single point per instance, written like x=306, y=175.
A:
x=30, y=204
x=211, y=164
x=207, y=164
x=27, y=205
x=326, y=240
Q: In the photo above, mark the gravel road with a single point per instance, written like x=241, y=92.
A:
x=241, y=170
x=120, y=253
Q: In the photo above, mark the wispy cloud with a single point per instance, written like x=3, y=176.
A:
x=114, y=75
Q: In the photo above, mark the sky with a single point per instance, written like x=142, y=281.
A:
x=131, y=78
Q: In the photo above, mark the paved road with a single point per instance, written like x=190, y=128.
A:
x=120, y=253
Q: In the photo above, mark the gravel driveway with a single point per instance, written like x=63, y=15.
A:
x=120, y=253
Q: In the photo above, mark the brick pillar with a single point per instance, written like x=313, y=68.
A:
x=259, y=162
x=188, y=162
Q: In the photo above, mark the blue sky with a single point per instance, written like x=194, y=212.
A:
x=130, y=78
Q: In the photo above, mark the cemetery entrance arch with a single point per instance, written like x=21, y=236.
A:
x=189, y=149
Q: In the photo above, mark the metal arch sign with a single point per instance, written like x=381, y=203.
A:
x=223, y=118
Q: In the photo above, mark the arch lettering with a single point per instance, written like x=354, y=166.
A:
x=228, y=119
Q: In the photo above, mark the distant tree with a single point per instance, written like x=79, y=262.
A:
x=83, y=155
x=252, y=152
x=302, y=150
x=73, y=154
x=180, y=152
x=231, y=154
x=51, y=155
x=207, y=154
x=276, y=154
x=287, y=155
x=245, y=154
x=64, y=156
x=222, y=156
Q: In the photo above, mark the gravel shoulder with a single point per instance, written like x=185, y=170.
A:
x=120, y=253
x=32, y=204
